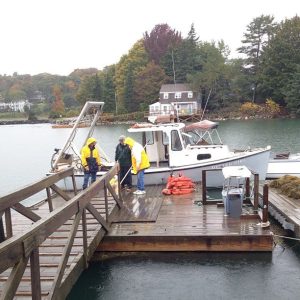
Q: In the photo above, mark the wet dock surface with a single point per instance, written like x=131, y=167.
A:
x=183, y=223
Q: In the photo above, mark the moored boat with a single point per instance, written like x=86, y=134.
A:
x=172, y=147
x=283, y=164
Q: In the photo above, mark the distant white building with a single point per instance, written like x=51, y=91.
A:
x=175, y=99
x=18, y=106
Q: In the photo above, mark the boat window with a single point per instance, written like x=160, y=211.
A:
x=149, y=138
x=203, y=156
x=175, y=141
x=165, y=139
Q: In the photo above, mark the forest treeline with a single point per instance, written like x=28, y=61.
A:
x=268, y=69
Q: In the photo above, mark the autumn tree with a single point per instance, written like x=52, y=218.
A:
x=58, y=105
x=160, y=40
x=126, y=71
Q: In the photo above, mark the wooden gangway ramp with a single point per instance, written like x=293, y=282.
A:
x=154, y=222
x=47, y=246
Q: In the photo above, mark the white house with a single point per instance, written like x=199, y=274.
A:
x=175, y=99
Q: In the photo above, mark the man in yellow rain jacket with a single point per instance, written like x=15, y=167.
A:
x=90, y=160
x=140, y=162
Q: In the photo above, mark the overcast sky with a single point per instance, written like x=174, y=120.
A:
x=58, y=36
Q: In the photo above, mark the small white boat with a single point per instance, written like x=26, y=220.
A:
x=283, y=164
x=234, y=187
x=174, y=147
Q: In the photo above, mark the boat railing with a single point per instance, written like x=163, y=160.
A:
x=16, y=250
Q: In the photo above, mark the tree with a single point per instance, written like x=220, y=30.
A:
x=109, y=88
x=160, y=40
x=90, y=89
x=58, y=105
x=126, y=71
x=259, y=32
x=292, y=92
x=280, y=61
x=147, y=85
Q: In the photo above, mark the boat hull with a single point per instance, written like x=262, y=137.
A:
x=280, y=167
x=255, y=161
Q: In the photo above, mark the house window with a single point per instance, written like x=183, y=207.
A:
x=166, y=96
x=190, y=95
x=177, y=95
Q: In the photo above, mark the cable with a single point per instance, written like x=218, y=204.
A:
x=286, y=237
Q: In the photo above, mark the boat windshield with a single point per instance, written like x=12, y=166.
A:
x=202, y=133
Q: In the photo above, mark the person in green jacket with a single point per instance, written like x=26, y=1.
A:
x=123, y=156
x=90, y=160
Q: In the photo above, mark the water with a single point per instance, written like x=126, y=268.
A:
x=25, y=157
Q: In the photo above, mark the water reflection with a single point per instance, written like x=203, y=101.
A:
x=193, y=276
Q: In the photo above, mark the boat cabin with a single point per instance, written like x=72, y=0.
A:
x=175, y=144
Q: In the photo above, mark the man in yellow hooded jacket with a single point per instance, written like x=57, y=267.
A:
x=140, y=162
x=90, y=160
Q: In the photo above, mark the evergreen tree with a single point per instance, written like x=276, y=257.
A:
x=259, y=32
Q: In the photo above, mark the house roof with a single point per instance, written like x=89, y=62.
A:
x=172, y=88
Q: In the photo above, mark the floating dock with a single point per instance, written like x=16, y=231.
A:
x=155, y=222
x=45, y=248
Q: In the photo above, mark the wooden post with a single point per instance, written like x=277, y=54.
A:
x=84, y=236
x=256, y=193
x=204, y=187
x=247, y=188
x=105, y=202
x=2, y=234
x=265, y=203
x=74, y=184
x=50, y=204
x=35, y=274
x=8, y=223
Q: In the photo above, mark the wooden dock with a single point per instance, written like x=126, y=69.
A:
x=47, y=246
x=286, y=210
x=183, y=223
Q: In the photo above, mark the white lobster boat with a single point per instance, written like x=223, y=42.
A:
x=174, y=147
x=283, y=164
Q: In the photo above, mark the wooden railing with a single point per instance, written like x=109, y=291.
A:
x=262, y=211
x=16, y=251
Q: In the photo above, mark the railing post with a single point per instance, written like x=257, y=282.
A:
x=105, y=201
x=247, y=188
x=8, y=223
x=204, y=187
x=74, y=184
x=35, y=274
x=2, y=234
x=256, y=192
x=49, y=199
x=84, y=237
x=265, y=203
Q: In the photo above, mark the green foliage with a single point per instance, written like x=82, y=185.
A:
x=280, y=62
x=147, y=85
x=90, y=89
x=292, y=92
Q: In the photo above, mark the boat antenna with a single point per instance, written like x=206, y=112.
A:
x=205, y=105
x=173, y=66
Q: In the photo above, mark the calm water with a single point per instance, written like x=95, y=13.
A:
x=25, y=157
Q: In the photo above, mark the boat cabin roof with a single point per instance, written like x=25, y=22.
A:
x=202, y=125
x=144, y=127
